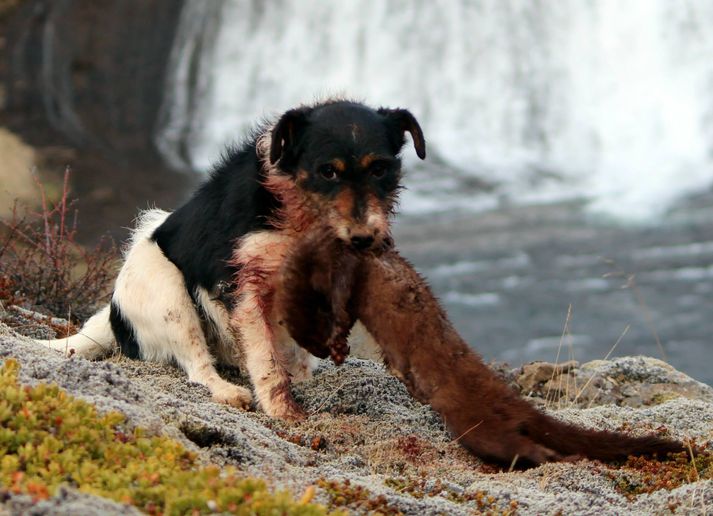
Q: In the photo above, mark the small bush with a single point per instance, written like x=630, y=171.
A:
x=42, y=265
x=48, y=438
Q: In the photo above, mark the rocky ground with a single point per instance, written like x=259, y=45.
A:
x=377, y=448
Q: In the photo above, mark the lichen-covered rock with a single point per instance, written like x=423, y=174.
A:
x=626, y=381
x=67, y=502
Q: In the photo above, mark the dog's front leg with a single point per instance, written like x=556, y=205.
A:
x=192, y=354
x=263, y=358
x=259, y=257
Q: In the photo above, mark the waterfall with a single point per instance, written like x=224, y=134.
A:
x=545, y=100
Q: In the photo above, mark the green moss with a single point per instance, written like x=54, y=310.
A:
x=48, y=438
x=356, y=498
x=484, y=502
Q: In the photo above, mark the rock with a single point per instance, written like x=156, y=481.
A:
x=534, y=375
x=16, y=166
x=108, y=66
x=626, y=381
x=67, y=502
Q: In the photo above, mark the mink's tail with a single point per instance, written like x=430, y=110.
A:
x=571, y=440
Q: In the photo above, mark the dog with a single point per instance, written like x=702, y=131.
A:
x=197, y=285
x=325, y=287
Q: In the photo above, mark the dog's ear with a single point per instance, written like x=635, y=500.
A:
x=287, y=132
x=401, y=120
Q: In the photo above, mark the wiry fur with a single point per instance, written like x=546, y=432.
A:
x=423, y=349
x=198, y=285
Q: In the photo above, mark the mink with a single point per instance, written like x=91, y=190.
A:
x=315, y=299
x=328, y=286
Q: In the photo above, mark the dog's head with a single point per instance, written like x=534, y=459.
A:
x=343, y=159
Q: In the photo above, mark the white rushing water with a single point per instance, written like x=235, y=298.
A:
x=548, y=99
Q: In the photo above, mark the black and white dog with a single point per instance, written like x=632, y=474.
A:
x=197, y=284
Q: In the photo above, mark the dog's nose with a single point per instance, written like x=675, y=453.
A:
x=362, y=242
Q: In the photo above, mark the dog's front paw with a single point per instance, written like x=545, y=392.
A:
x=281, y=405
x=233, y=395
x=292, y=412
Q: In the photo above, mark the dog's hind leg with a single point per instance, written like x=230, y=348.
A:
x=154, y=318
x=222, y=340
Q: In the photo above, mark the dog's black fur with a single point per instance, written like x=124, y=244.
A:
x=199, y=237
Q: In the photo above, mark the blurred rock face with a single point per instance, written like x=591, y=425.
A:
x=82, y=83
x=93, y=70
x=15, y=171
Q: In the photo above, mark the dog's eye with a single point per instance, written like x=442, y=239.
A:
x=378, y=169
x=328, y=172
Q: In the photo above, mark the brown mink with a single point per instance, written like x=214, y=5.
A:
x=327, y=287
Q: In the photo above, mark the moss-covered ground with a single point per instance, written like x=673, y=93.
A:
x=49, y=438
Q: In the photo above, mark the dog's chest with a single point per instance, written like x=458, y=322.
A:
x=259, y=257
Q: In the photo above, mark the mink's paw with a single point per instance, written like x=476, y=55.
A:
x=339, y=349
x=534, y=454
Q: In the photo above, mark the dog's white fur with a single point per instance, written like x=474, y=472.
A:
x=167, y=324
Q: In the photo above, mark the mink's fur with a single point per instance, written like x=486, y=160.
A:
x=424, y=351
x=316, y=305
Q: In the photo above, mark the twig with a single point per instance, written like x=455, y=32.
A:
x=631, y=284
x=512, y=464
x=466, y=432
x=335, y=391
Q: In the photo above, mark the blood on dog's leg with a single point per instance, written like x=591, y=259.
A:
x=259, y=257
x=264, y=362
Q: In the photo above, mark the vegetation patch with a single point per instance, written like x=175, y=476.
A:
x=48, y=438
x=316, y=442
x=640, y=475
x=421, y=487
x=355, y=497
